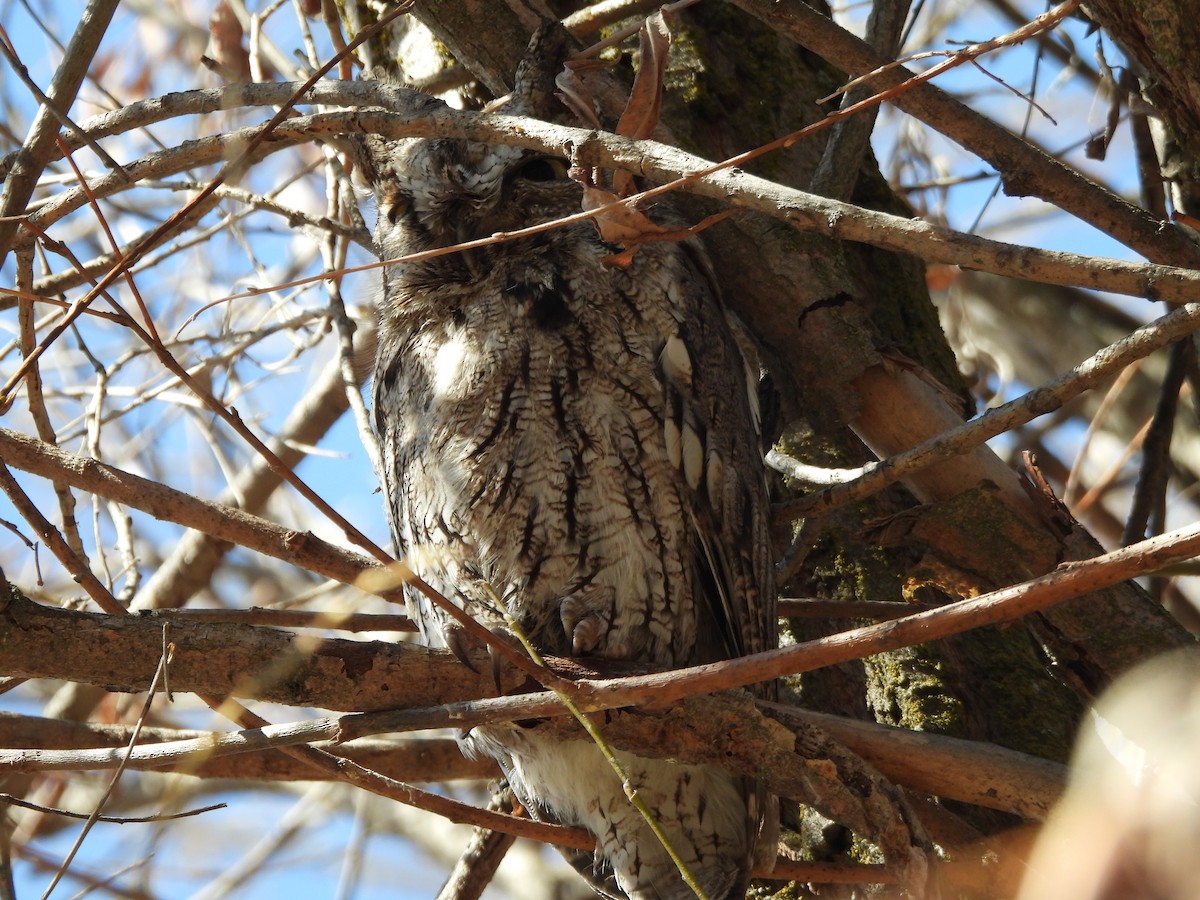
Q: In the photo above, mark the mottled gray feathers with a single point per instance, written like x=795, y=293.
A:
x=581, y=441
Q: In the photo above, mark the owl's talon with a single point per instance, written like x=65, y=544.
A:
x=584, y=624
x=465, y=647
x=494, y=659
x=586, y=634
x=460, y=643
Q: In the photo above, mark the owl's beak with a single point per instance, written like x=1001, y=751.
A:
x=471, y=258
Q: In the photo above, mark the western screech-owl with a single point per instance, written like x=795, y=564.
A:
x=578, y=439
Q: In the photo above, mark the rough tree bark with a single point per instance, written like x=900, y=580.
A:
x=854, y=344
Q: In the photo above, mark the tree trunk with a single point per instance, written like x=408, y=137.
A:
x=855, y=350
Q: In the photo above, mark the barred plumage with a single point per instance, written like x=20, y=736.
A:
x=581, y=440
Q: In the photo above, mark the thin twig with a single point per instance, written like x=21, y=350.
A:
x=36, y=152
x=810, y=475
x=1155, y=469
x=420, y=759
x=1026, y=169
x=1040, y=25
x=680, y=171
x=593, y=732
x=159, y=673
x=116, y=820
x=35, y=396
x=1070, y=491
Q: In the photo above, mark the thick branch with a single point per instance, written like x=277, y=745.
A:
x=658, y=161
x=121, y=652
x=1024, y=169
x=271, y=665
x=224, y=523
x=408, y=759
x=35, y=636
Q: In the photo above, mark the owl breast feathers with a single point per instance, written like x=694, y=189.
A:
x=577, y=441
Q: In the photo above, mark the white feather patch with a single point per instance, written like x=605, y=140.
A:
x=448, y=366
x=676, y=362
x=693, y=457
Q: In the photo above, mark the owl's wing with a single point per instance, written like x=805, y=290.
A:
x=712, y=426
x=712, y=432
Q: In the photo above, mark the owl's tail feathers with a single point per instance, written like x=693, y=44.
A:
x=713, y=820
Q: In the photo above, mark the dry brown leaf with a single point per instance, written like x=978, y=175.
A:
x=644, y=107
x=627, y=219
x=227, y=48
x=574, y=93
x=641, y=114
x=624, y=224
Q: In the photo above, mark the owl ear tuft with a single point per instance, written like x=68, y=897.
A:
x=368, y=152
x=533, y=94
x=365, y=150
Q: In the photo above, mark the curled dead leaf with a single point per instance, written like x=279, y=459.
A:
x=226, y=35
x=642, y=112
x=621, y=224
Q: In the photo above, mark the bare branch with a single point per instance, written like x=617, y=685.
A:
x=22, y=178
x=415, y=759
x=240, y=661
x=1025, y=169
x=678, y=169
x=1103, y=366
x=222, y=522
x=720, y=730
x=116, y=820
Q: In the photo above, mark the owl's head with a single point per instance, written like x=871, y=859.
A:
x=436, y=193
x=443, y=192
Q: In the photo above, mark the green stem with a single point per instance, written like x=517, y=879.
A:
x=594, y=733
